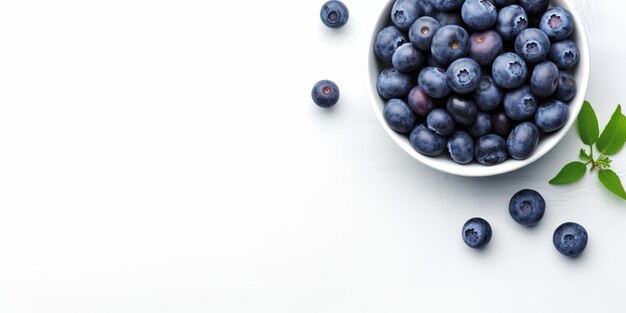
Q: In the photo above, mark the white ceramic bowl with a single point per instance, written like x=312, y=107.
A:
x=444, y=163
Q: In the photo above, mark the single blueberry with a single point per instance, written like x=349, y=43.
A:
x=449, y=18
x=420, y=102
x=482, y=125
x=462, y=110
x=461, y=147
x=325, y=93
x=388, y=40
x=490, y=150
x=422, y=31
x=509, y=70
x=511, y=21
x=440, y=121
x=527, y=207
x=426, y=142
x=534, y=7
x=545, y=79
x=393, y=84
x=532, y=45
x=479, y=14
x=564, y=54
x=557, y=23
x=520, y=104
x=566, y=89
x=464, y=75
x=476, y=233
x=449, y=43
x=334, y=14
x=399, y=116
x=570, y=239
x=488, y=95
x=551, y=116
x=407, y=58
x=404, y=13
x=485, y=46
x=523, y=141
x=500, y=124
x=434, y=82
x=447, y=5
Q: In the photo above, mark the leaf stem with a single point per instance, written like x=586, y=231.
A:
x=593, y=162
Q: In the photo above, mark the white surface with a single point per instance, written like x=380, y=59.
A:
x=132, y=181
x=444, y=163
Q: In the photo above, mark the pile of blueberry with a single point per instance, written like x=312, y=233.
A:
x=482, y=78
x=527, y=207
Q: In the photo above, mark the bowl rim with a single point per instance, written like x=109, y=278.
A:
x=478, y=170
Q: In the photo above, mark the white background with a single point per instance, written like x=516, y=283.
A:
x=165, y=156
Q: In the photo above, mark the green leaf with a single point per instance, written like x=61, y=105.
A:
x=583, y=155
x=587, y=124
x=614, y=134
x=611, y=181
x=569, y=173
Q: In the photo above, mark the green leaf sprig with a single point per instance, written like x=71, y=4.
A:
x=606, y=144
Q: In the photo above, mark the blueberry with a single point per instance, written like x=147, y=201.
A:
x=485, y=46
x=557, y=23
x=461, y=147
x=462, y=110
x=447, y=5
x=334, y=14
x=570, y=239
x=534, y=7
x=449, y=43
x=520, y=104
x=503, y=3
x=434, y=82
x=426, y=142
x=476, y=233
x=422, y=31
x=544, y=79
x=509, y=70
x=404, y=13
x=479, y=14
x=564, y=54
x=440, y=121
x=482, y=125
x=325, y=93
x=490, y=150
x=527, y=207
x=500, y=124
x=523, y=141
x=386, y=43
x=398, y=116
x=566, y=89
x=407, y=58
x=393, y=84
x=464, y=75
x=488, y=95
x=532, y=45
x=449, y=18
x=419, y=102
x=426, y=8
x=511, y=21
x=551, y=116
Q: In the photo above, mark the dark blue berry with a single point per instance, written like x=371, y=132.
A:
x=509, y=70
x=488, y=95
x=532, y=45
x=523, y=141
x=463, y=110
x=476, y=233
x=334, y=14
x=570, y=239
x=564, y=54
x=449, y=43
x=388, y=40
x=485, y=46
x=500, y=124
x=407, y=58
x=404, y=13
x=398, y=116
x=479, y=14
x=461, y=147
x=434, y=82
x=325, y=93
x=520, y=104
x=426, y=142
x=490, y=150
x=544, y=79
x=527, y=207
x=557, y=23
x=482, y=125
x=511, y=21
x=551, y=116
x=422, y=31
x=420, y=102
x=440, y=121
x=566, y=89
x=464, y=75
x=534, y=7
x=393, y=84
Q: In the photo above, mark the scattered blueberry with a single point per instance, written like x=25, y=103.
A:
x=482, y=125
x=464, y=75
x=509, y=70
x=334, y=14
x=534, y=7
x=479, y=14
x=520, y=104
x=564, y=54
x=325, y=93
x=404, y=13
x=461, y=147
x=557, y=23
x=570, y=239
x=491, y=150
x=434, y=82
x=551, y=116
x=422, y=31
x=523, y=141
x=449, y=43
x=449, y=18
x=407, y=58
x=476, y=233
x=544, y=79
x=420, y=102
x=511, y=21
x=387, y=41
x=440, y=121
x=485, y=46
x=527, y=207
x=393, y=84
x=447, y=5
x=501, y=124
x=532, y=45
x=426, y=142
x=462, y=110
x=398, y=116
x=566, y=89
x=488, y=95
